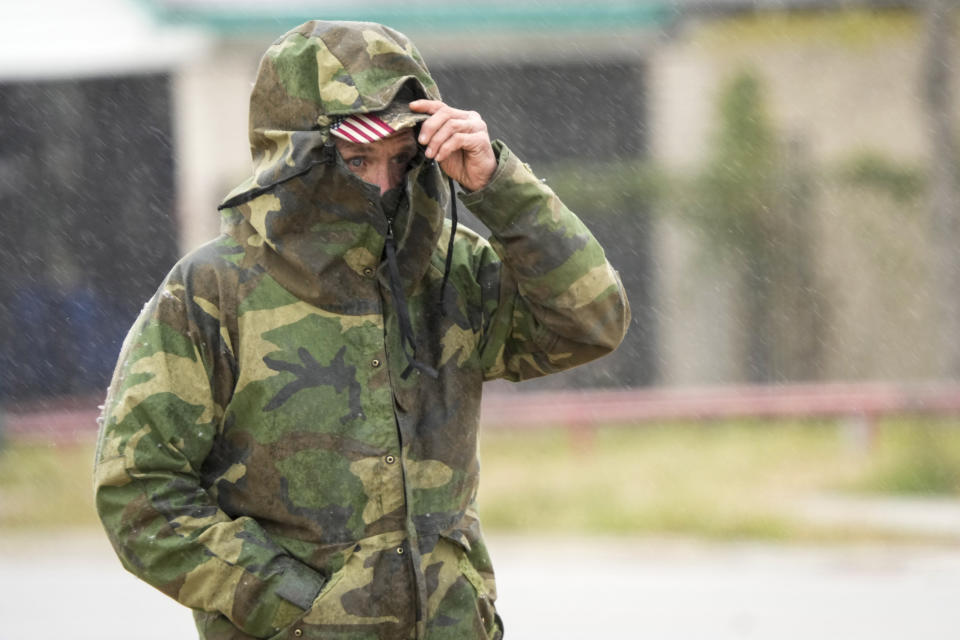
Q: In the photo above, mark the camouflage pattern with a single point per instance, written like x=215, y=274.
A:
x=261, y=459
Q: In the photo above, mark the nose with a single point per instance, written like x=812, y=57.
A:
x=384, y=178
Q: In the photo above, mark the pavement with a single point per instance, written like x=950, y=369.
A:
x=914, y=515
x=70, y=585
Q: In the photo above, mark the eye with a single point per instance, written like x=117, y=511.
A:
x=355, y=162
x=403, y=158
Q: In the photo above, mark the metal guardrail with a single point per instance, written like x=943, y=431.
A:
x=859, y=405
x=833, y=400
x=58, y=421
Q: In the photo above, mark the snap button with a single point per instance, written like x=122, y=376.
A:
x=390, y=459
x=368, y=271
x=399, y=551
x=375, y=363
x=298, y=632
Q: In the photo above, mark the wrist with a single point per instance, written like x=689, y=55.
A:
x=492, y=171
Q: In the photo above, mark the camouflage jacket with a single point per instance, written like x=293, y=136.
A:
x=261, y=458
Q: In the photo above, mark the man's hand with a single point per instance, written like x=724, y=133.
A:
x=459, y=141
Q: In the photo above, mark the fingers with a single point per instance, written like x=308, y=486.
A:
x=455, y=135
x=448, y=130
x=458, y=140
x=426, y=106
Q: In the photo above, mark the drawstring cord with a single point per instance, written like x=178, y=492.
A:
x=403, y=313
x=448, y=263
x=407, y=338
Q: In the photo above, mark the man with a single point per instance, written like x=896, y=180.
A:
x=289, y=443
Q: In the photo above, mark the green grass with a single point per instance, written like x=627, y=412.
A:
x=719, y=481
x=915, y=459
x=730, y=480
x=46, y=486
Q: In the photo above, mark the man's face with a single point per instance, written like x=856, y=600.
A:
x=384, y=162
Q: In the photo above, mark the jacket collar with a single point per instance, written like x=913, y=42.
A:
x=321, y=234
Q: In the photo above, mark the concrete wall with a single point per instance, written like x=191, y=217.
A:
x=840, y=84
x=211, y=99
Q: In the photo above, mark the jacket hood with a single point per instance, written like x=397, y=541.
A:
x=314, y=73
x=316, y=224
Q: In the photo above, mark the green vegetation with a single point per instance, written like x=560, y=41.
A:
x=46, y=486
x=739, y=201
x=875, y=171
x=915, y=459
x=724, y=480
x=752, y=204
x=718, y=480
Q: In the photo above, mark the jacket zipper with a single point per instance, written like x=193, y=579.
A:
x=412, y=544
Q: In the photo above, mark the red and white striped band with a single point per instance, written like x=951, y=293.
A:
x=361, y=128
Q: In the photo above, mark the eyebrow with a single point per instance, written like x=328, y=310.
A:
x=355, y=148
x=364, y=149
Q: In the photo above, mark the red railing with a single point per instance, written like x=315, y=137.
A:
x=68, y=420
x=53, y=420
x=858, y=405
x=861, y=401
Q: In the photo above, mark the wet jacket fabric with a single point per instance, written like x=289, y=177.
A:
x=261, y=457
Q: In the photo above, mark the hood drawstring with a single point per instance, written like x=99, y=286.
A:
x=449, y=260
x=407, y=337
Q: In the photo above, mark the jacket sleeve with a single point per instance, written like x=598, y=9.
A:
x=559, y=303
x=157, y=428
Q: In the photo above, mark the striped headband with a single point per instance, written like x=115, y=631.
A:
x=364, y=128
x=361, y=128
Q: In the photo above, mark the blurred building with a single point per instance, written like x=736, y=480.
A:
x=843, y=88
x=124, y=124
x=87, y=185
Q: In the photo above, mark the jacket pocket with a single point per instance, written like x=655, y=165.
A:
x=459, y=577
x=215, y=626
x=291, y=630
